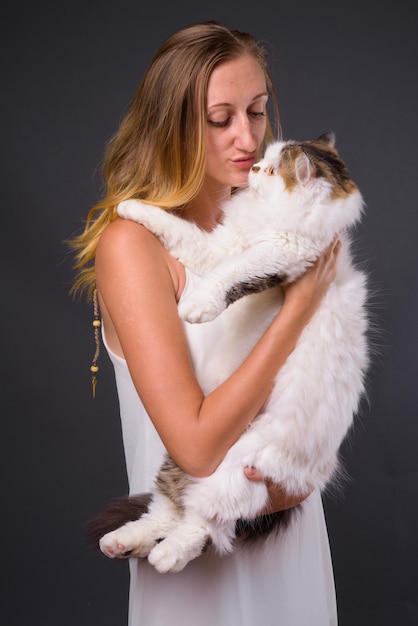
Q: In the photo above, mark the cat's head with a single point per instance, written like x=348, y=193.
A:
x=309, y=182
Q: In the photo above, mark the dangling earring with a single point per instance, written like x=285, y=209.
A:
x=96, y=329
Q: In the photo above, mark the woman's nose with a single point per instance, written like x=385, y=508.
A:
x=245, y=139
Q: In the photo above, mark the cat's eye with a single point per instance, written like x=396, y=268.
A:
x=272, y=171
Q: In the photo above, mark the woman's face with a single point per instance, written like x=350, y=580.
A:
x=236, y=121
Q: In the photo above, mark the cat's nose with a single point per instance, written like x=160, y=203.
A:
x=255, y=168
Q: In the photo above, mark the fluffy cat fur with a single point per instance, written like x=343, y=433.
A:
x=299, y=197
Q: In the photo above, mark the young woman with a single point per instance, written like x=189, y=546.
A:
x=196, y=125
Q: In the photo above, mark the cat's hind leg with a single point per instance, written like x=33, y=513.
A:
x=183, y=544
x=138, y=538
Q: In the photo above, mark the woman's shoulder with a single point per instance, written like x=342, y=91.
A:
x=125, y=232
x=130, y=246
x=127, y=242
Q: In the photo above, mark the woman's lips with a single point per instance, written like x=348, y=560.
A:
x=245, y=164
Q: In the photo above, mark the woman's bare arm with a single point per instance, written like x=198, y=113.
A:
x=138, y=288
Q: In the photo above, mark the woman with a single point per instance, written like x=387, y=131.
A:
x=196, y=125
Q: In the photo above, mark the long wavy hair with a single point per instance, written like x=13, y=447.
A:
x=158, y=153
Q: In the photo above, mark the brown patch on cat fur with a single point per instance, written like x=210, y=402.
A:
x=325, y=163
x=239, y=290
x=172, y=481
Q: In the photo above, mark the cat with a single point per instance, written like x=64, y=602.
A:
x=298, y=199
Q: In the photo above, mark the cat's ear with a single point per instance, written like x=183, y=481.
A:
x=303, y=169
x=328, y=138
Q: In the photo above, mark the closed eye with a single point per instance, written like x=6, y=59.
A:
x=220, y=124
x=256, y=115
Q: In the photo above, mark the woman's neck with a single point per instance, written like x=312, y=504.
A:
x=205, y=209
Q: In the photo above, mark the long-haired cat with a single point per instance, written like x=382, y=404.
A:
x=299, y=198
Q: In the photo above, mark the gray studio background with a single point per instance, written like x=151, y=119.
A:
x=69, y=71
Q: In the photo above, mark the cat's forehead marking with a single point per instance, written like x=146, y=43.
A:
x=287, y=157
x=325, y=164
x=323, y=158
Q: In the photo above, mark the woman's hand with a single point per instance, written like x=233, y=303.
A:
x=308, y=290
x=279, y=500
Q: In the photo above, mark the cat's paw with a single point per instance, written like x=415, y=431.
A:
x=131, y=210
x=173, y=553
x=127, y=541
x=167, y=559
x=195, y=310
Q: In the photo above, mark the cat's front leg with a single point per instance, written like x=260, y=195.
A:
x=183, y=239
x=264, y=265
x=137, y=538
x=252, y=271
x=155, y=219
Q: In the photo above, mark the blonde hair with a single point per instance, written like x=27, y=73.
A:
x=158, y=153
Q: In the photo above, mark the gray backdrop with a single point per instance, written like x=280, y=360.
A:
x=69, y=72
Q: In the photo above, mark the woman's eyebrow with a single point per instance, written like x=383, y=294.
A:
x=228, y=104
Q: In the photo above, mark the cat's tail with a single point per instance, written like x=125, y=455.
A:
x=130, y=508
x=116, y=514
x=251, y=532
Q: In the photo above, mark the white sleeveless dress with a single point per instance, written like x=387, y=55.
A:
x=287, y=581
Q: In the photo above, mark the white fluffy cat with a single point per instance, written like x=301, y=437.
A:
x=298, y=199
